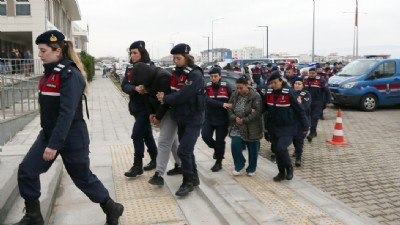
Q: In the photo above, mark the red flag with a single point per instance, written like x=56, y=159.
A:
x=356, y=23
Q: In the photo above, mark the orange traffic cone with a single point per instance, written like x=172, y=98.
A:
x=337, y=138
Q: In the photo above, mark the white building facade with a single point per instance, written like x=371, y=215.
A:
x=247, y=53
x=23, y=20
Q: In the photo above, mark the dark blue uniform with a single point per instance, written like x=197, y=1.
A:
x=291, y=79
x=187, y=102
x=217, y=118
x=320, y=96
x=256, y=75
x=283, y=112
x=141, y=133
x=63, y=129
x=298, y=140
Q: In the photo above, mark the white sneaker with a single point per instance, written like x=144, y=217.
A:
x=251, y=174
x=235, y=173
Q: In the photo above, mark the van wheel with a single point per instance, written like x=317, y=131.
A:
x=369, y=102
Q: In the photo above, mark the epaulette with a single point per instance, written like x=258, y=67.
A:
x=285, y=90
x=223, y=83
x=209, y=83
x=318, y=77
x=187, y=70
x=269, y=91
x=306, y=77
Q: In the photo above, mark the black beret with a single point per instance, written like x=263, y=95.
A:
x=318, y=66
x=51, y=36
x=311, y=69
x=137, y=44
x=299, y=79
x=269, y=65
x=274, y=68
x=180, y=49
x=215, y=70
x=274, y=75
x=143, y=74
x=328, y=63
x=335, y=63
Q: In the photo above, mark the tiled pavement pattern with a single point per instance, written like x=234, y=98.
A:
x=276, y=196
x=144, y=204
x=364, y=174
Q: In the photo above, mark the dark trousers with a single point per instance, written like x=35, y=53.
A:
x=218, y=144
x=281, y=145
x=316, y=110
x=298, y=141
x=76, y=162
x=143, y=134
x=188, y=134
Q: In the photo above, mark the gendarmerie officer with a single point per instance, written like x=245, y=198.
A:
x=188, y=102
x=320, y=96
x=134, y=86
x=64, y=131
x=256, y=74
x=283, y=111
x=304, y=98
x=217, y=119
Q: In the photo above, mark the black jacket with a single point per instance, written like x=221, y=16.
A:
x=188, y=103
x=137, y=102
x=161, y=83
x=216, y=115
x=60, y=99
x=284, y=112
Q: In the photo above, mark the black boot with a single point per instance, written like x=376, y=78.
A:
x=196, y=179
x=32, y=216
x=217, y=166
x=152, y=164
x=187, y=185
x=298, y=161
x=175, y=171
x=157, y=180
x=137, y=168
x=289, y=172
x=113, y=210
x=281, y=175
x=311, y=136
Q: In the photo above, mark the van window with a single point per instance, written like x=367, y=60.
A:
x=385, y=70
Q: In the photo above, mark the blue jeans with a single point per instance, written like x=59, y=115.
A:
x=253, y=147
x=3, y=68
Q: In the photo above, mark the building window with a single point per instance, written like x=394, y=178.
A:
x=76, y=43
x=22, y=8
x=3, y=8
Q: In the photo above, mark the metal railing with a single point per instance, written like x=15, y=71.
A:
x=19, y=87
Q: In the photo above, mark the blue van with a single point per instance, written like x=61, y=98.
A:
x=367, y=83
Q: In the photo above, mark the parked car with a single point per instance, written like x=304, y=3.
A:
x=367, y=83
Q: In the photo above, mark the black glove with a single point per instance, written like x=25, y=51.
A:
x=267, y=137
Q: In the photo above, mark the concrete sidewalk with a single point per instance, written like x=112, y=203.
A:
x=220, y=199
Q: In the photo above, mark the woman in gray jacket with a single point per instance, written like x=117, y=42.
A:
x=246, y=126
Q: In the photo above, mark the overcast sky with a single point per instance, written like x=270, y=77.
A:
x=114, y=25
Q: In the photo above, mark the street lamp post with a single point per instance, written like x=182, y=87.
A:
x=208, y=47
x=266, y=28
x=212, y=36
x=313, y=32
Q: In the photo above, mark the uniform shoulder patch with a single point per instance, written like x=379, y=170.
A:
x=318, y=77
x=223, y=83
x=269, y=90
x=306, y=77
x=285, y=90
x=209, y=83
